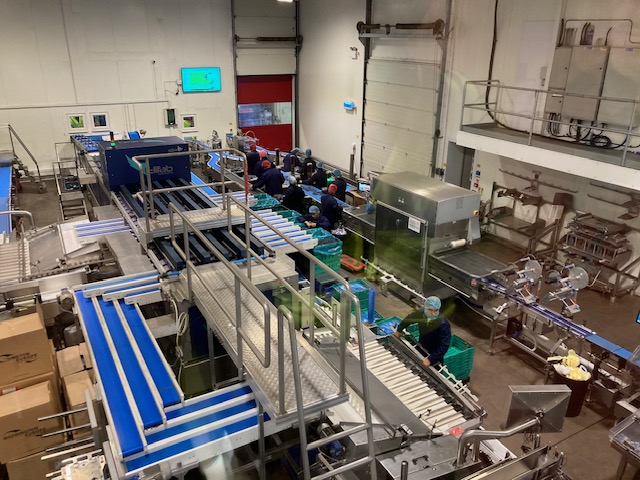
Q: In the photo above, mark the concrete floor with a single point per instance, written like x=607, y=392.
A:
x=584, y=438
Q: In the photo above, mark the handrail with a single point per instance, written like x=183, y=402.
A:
x=19, y=213
x=12, y=133
x=146, y=186
x=265, y=359
x=492, y=109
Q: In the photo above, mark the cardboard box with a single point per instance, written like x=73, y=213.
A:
x=24, y=349
x=74, y=386
x=32, y=468
x=20, y=431
x=74, y=359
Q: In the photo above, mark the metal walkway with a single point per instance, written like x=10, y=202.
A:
x=319, y=390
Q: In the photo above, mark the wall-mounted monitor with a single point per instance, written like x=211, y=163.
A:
x=201, y=79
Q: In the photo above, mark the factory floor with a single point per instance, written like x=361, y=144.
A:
x=584, y=439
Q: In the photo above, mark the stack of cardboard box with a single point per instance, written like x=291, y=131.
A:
x=76, y=373
x=29, y=390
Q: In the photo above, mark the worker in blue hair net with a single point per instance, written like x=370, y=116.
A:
x=435, y=331
x=341, y=183
x=291, y=160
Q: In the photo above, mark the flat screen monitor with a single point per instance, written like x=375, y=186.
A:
x=364, y=187
x=201, y=79
x=638, y=317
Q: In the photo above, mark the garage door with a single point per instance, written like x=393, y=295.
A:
x=400, y=104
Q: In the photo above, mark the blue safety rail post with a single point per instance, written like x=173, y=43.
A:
x=119, y=407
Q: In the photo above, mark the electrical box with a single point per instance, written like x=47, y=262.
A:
x=621, y=81
x=585, y=77
x=560, y=68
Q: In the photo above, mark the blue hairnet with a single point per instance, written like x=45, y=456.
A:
x=295, y=150
x=319, y=165
x=292, y=180
x=433, y=303
x=314, y=209
x=308, y=152
x=337, y=173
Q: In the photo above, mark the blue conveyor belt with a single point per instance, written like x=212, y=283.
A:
x=5, y=197
x=197, y=181
x=228, y=394
x=149, y=410
x=124, y=424
x=199, y=422
x=157, y=366
x=191, y=443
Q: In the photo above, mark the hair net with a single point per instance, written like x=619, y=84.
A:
x=263, y=153
x=320, y=165
x=433, y=303
x=337, y=173
x=295, y=150
x=292, y=180
x=252, y=146
x=308, y=152
x=266, y=164
x=314, y=209
x=333, y=188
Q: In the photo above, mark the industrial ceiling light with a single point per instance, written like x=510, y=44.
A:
x=286, y=1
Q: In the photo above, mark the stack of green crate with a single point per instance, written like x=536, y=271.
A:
x=264, y=201
x=328, y=250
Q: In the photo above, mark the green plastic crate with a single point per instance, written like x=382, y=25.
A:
x=459, y=357
x=329, y=254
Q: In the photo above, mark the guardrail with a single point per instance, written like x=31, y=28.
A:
x=494, y=105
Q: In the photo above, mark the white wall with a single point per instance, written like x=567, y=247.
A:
x=328, y=76
x=116, y=56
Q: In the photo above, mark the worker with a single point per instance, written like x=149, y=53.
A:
x=314, y=219
x=435, y=331
x=330, y=206
x=308, y=165
x=271, y=179
x=258, y=168
x=253, y=159
x=293, y=195
x=291, y=161
x=319, y=178
x=341, y=183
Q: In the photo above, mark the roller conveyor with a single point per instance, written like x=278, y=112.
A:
x=422, y=397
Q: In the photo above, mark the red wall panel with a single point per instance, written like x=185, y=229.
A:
x=273, y=136
x=265, y=89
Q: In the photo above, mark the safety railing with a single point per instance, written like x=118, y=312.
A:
x=499, y=107
x=14, y=137
x=143, y=164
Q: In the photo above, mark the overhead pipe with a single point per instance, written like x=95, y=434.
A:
x=437, y=27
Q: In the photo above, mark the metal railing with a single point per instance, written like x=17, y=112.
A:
x=495, y=105
x=143, y=162
x=13, y=135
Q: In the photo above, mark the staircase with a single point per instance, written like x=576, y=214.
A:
x=16, y=162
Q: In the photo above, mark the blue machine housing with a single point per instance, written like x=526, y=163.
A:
x=118, y=170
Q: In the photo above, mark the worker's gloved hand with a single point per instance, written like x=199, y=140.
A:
x=398, y=333
x=426, y=362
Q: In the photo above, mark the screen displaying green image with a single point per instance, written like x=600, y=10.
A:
x=201, y=79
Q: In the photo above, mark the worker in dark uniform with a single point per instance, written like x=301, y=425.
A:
x=291, y=161
x=271, y=179
x=253, y=159
x=258, y=171
x=319, y=178
x=330, y=207
x=308, y=165
x=435, y=331
x=293, y=195
x=341, y=183
x=314, y=219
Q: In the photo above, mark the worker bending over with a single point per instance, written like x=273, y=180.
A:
x=330, y=206
x=271, y=179
x=319, y=178
x=293, y=195
x=314, y=219
x=435, y=331
x=341, y=183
